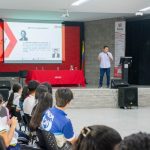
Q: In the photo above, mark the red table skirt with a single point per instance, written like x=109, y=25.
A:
x=60, y=77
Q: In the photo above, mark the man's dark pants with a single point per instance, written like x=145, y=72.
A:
x=102, y=72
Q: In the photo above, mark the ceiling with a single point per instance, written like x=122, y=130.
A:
x=53, y=9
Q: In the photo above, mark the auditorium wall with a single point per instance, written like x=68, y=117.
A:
x=97, y=34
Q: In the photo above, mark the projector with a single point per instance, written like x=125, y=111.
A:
x=66, y=15
x=139, y=13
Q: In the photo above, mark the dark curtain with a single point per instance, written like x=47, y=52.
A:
x=138, y=46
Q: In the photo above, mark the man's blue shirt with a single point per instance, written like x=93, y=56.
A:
x=55, y=121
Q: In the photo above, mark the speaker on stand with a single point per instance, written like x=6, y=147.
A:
x=127, y=97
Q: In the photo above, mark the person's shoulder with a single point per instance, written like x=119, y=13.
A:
x=2, y=130
x=48, y=115
x=3, y=123
x=17, y=96
x=28, y=99
x=25, y=100
x=67, y=119
x=31, y=97
x=48, y=111
x=110, y=53
x=67, y=123
x=3, y=112
x=101, y=53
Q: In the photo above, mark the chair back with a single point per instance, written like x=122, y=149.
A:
x=5, y=93
x=49, y=140
x=41, y=141
x=12, y=110
x=27, y=119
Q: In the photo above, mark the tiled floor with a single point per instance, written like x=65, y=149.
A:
x=125, y=121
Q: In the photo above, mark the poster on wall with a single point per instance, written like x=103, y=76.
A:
x=26, y=42
x=120, y=39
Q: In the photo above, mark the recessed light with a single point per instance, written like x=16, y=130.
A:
x=79, y=2
x=145, y=9
x=139, y=13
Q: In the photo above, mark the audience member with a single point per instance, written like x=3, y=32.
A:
x=55, y=119
x=139, y=141
x=3, y=110
x=6, y=123
x=2, y=144
x=45, y=102
x=13, y=101
x=30, y=101
x=97, y=137
x=7, y=128
x=39, y=90
x=49, y=86
x=8, y=133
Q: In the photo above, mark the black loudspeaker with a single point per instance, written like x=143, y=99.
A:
x=5, y=94
x=5, y=85
x=127, y=97
x=116, y=83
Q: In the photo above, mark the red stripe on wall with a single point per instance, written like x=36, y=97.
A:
x=12, y=39
x=63, y=43
x=1, y=43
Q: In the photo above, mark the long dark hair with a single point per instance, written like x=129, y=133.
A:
x=15, y=89
x=45, y=102
x=97, y=137
x=25, y=92
x=1, y=99
x=2, y=145
x=49, y=86
x=136, y=141
x=39, y=90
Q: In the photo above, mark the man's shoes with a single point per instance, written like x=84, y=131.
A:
x=102, y=87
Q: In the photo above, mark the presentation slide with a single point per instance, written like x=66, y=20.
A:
x=32, y=42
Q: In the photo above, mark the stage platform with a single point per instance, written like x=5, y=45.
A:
x=91, y=97
x=104, y=98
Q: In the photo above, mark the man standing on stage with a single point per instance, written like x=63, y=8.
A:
x=105, y=58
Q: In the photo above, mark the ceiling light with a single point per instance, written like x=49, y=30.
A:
x=145, y=9
x=79, y=2
x=66, y=14
x=139, y=13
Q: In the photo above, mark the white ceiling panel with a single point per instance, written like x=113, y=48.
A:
x=53, y=9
